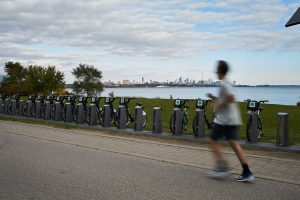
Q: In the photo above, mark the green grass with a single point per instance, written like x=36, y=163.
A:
x=269, y=117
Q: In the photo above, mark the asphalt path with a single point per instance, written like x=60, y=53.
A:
x=32, y=168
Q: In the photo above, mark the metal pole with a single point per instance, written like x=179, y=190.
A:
x=122, y=117
x=254, y=127
x=107, y=116
x=138, y=122
x=200, y=123
x=157, y=128
x=93, y=114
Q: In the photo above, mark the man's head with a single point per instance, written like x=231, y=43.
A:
x=222, y=69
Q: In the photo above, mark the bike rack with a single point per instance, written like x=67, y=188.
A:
x=284, y=118
x=13, y=107
x=47, y=110
x=21, y=104
x=69, y=117
x=93, y=114
x=200, y=123
x=57, y=114
x=80, y=113
x=38, y=109
x=1, y=106
x=157, y=128
x=107, y=116
x=29, y=106
x=5, y=109
x=254, y=135
x=138, y=122
x=122, y=117
x=177, y=125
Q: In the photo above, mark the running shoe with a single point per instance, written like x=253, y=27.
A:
x=245, y=178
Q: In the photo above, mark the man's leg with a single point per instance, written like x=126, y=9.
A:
x=216, y=149
x=238, y=151
x=246, y=174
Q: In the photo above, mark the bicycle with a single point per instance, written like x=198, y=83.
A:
x=2, y=97
x=253, y=106
x=129, y=117
x=108, y=101
x=94, y=100
x=33, y=108
x=25, y=106
x=9, y=107
x=201, y=105
x=43, y=106
x=178, y=103
x=59, y=99
x=72, y=101
x=82, y=100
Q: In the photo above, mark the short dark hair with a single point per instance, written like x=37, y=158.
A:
x=222, y=67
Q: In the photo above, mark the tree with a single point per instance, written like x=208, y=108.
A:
x=53, y=80
x=88, y=79
x=32, y=80
x=15, y=73
x=14, y=80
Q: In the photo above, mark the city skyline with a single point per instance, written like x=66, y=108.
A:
x=154, y=39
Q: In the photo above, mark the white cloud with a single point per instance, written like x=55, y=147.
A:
x=150, y=29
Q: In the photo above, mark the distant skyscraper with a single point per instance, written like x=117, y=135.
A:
x=142, y=80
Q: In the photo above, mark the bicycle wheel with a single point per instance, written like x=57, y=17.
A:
x=117, y=119
x=172, y=123
x=74, y=113
x=33, y=109
x=195, y=126
x=112, y=117
x=52, y=112
x=9, y=108
x=88, y=115
x=24, y=110
x=43, y=111
x=63, y=113
x=250, y=131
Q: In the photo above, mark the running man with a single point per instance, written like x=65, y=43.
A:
x=226, y=122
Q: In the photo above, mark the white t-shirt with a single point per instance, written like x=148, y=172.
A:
x=229, y=115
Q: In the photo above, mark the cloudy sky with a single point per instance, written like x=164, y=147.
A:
x=155, y=39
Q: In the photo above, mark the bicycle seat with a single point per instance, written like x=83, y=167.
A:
x=260, y=109
x=139, y=104
x=186, y=106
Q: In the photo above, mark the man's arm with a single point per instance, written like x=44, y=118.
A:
x=229, y=99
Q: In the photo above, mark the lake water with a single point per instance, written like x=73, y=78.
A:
x=276, y=95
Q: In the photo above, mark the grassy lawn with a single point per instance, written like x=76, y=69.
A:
x=269, y=117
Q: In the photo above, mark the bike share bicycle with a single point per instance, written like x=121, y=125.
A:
x=27, y=107
x=72, y=101
x=108, y=107
x=36, y=112
x=94, y=101
x=254, y=131
x=81, y=110
x=57, y=104
x=2, y=100
x=15, y=97
x=200, y=119
x=49, y=99
x=179, y=119
x=129, y=118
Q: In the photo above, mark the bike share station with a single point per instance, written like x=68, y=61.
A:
x=33, y=106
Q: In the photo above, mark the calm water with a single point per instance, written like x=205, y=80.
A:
x=276, y=95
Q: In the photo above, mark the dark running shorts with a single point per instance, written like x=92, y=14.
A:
x=221, y=131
